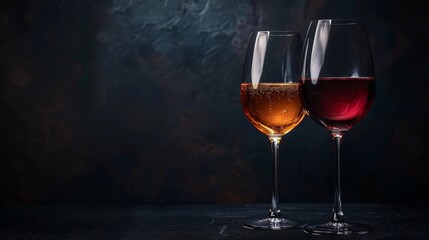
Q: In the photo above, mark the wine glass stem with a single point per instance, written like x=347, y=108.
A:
x=275, y=209
x=337, y=213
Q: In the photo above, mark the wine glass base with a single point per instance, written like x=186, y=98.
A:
x=335, y=229
x=271, y=224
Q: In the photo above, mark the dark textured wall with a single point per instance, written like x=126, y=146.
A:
x=134, y=101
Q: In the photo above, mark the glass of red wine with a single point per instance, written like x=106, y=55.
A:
x=339, y=88
x=270, y=95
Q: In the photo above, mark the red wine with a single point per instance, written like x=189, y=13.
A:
x=337, y=103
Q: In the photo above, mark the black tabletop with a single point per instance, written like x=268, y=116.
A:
x=389, y=222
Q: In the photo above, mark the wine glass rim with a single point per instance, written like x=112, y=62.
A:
x=338, y=21
x=277, y=33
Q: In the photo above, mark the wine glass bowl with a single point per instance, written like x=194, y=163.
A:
x=337, y=73
x=338, y=90
x=270, y=95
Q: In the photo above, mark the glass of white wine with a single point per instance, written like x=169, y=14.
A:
x=271, y=100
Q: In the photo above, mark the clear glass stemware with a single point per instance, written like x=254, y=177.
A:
x=339, y=88
x=271, y=99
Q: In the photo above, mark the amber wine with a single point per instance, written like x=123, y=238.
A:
x=273, y=108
